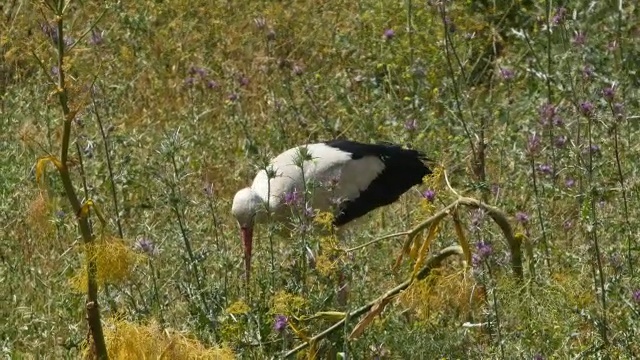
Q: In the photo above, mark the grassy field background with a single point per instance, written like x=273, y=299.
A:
x=151, y=114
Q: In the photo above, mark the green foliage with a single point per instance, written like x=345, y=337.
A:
x=192, y=97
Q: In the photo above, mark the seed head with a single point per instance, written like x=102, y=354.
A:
x=533, y=145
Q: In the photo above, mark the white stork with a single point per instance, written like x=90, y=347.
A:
x=366, y=176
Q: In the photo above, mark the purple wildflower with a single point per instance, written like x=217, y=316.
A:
x=189, y=82
x=545, y=169
x=586, y=108
x=547, y=112
x=51, y=32
x=608, y=93
x=60, y=214
x=411, y=124
x=495, y=189
x=244, y=81
x=616, y=261
x=579, y=38
x=587, y=71
x=569, y=182
x=429, y=194
x=280, y=323
x=477, y=216
x=484, y=250
x=309, y=212
x=233, y=97
x=507, y=74
x=212, y=84
x=193, y=70
x=538, y=356
x=559, y=16
x=291, y=198
x=145, y=245
x=636, y=296
x=389, y=34
x=522, y=217
x=618, y=111
x=567, y=224
x=476, y=260
x=55, y=71
x=593, y=149
x=560, y=141
x=557, y=121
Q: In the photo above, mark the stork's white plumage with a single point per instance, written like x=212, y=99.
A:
x=363, y=176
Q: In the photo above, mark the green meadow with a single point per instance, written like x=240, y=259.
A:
x=126, y=128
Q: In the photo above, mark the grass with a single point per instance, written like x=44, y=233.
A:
x=172, y=106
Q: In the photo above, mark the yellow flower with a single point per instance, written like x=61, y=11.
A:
x=284, y=303
x=325, y=266
x=434, y=180
x=114, y=262
x=324, y=218
x=238, y=307
x=128, y=340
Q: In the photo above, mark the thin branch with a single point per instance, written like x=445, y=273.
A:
x=499, y=217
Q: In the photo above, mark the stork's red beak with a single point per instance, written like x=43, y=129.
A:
x=247, y=240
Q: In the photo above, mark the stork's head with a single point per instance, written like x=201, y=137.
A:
x=246, y=206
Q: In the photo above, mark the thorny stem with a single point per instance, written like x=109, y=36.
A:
x=616, y=147
x=183, y=230
x=430, y=265
x=92, y=305
x=496, y=311
x=534, y=180
x=594, y=234
x=109, y=166
x=550, y=94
